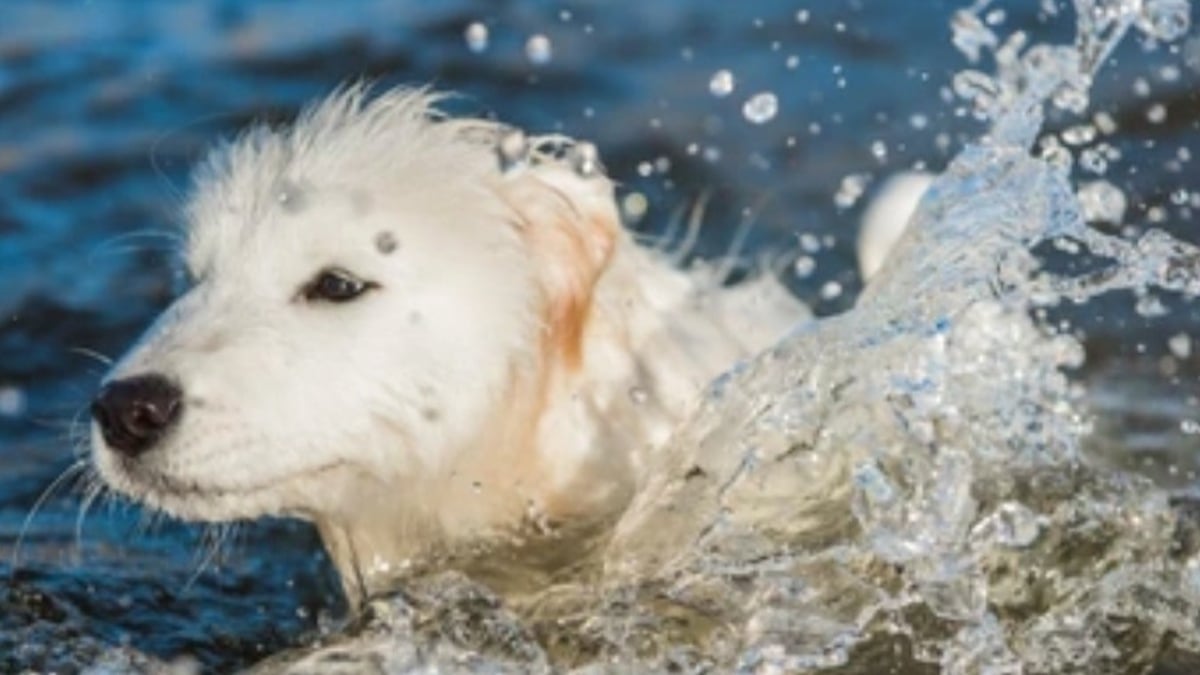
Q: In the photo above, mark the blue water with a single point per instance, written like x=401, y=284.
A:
x=104, y=106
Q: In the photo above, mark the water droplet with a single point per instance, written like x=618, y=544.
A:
x=970, y=35
x=1080, y=134
x=879, y=151
x=584, y=159
x=1011, y=525
x=476, y=35
x=792, y=62
x=1150, y=306
x=802, y=16
x=512, y=149
x=804, y=266
x=1093, y=161
x=761, y=108
x=849, y=190
x=385, y=242
x=634, y=206
x=721, y=84
x=1156, y=114
x=918, y=121
x=1165, y=20
x=1101, y=201
x=1105, y=123
x=538, y=49
x=831, y=290
x=809, y=243
x=1180, y=345
x=12, y=401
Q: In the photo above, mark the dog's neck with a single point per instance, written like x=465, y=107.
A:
x=566, y=446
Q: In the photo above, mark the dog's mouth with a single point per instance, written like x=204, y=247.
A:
x=197, y=499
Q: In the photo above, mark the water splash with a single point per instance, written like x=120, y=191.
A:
x=905, y=484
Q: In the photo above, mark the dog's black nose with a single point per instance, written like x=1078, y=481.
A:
x=136, y=412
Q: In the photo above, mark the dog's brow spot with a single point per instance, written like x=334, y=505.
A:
x=431, y=414
x=291, y=197
x=386, y=242
x=414, y=317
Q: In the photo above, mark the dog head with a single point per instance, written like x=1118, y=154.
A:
x=368, y=285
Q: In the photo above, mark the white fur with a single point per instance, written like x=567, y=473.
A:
x=518, y=360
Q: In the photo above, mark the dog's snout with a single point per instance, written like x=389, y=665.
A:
x=134, y=413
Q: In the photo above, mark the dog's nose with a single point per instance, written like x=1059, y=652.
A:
x=134, y=413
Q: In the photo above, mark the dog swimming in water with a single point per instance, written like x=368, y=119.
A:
x=423, y=334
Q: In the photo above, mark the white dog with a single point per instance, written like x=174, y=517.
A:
x=418, y=350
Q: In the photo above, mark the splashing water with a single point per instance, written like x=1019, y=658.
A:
x=900, y=488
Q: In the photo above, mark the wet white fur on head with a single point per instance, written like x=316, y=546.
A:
x=393, y=384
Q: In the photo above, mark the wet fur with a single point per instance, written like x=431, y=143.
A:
x=518, y=361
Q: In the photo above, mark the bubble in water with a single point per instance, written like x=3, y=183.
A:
x=1101, y=201
x=761, y=108
x=538, y=49
x=802, y=16
x=1156, y=114
x=721, y=84
x=512, y=149
x=831, y=290
x=476, y=35
x=879, y=151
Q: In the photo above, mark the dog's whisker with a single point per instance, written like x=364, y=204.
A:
x=136, y=242
x=68, y=473
x=212, y=540
x=94, y=490
x=93, y=354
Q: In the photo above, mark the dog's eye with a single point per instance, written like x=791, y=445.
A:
x=336, y=286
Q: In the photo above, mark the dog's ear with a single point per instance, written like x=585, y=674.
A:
x=569, y=223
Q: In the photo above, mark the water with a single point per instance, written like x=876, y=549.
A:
x=943, y=478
